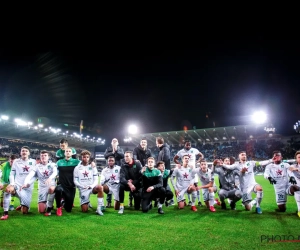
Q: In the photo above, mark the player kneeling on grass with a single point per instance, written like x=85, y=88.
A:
x=207, y=184
x=152, y=187
x=86, y=180
x=45, y=172
x=19, y=170
x=110, y=180
x=280, y=177
x=228, y=188
x=184, y=183
x=166, y=174
x=247, y=181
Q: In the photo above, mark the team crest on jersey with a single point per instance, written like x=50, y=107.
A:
x=49, y=167
x=116, y=170
x=134, y=166
x=85, y=174
x=282, y=166
x=25, y=169
x=191, y=151
x=185, y=175
x=46, y=173
x=30, y=163
x=90, y=168
x=248, y=164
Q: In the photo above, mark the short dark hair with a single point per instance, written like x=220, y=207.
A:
x=242, y=152
x=159, y=163
x=276, y=152
x=63, y=140
x=160, y=140
x=44, y=152
x=13, y=157
x=26, y=147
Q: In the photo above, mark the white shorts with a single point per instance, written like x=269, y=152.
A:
x=114, y=190
x=180, y=196
x=25, y=195
x=281, y=194
x=43, y=192
x=205, y=193
x=84, y=195
x=247, y=196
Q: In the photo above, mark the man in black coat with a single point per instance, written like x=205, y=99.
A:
x=130, y=180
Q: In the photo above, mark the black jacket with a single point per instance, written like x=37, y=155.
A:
x=165, y=155
x=131, y=173
x=119, y=154
x=142, y=155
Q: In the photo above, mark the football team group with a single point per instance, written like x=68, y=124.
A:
x=145, y=178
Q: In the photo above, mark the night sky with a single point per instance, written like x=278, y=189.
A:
x=159, y=88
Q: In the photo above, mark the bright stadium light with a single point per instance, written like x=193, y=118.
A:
x=40, y=125
x=132, y=129
x=4, y=117
x=259, y=117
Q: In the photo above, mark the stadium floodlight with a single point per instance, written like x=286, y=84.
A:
x=20, y=122
x=4, y=117
x=259, y=117
x=132, y=129
x=40, y=125
x=29, y=123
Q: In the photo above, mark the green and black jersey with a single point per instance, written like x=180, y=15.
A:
x=66, y=171
x=152, y=178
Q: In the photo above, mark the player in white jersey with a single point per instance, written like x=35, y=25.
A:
x=86, y=180
x=110, y=180
x=46, y=173
x=193, y=153
x=296, y=178
x=19, y=170
x=207, y=184
x=247, y=181
x=184, y=183
x=280, y=177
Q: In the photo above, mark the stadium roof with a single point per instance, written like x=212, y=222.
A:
x=40, y=136
x=207, y=135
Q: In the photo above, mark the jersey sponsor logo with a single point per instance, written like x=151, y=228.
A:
x=85, y=174
x=279, y=172
x=185, y=175
x=26, y=169
x=113, y=177
x=46, y=173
